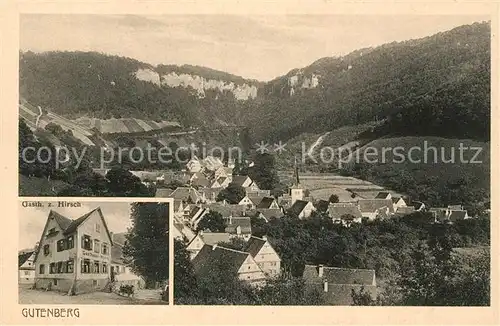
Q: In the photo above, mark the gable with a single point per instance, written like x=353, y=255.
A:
x=88, y=226
x=196, y=243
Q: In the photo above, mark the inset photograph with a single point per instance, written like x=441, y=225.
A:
x=93, y=252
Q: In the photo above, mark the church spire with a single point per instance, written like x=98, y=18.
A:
x=296, y=173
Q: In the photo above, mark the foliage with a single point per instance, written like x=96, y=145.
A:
x=147, y=244
x=126, y=289
x=233, y=193
x=212, y=222
x=235, y=243
x=333, y=199
x=263, y=172
x=184, y=277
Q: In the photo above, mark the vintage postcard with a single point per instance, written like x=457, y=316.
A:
x=93, y=252
x=301, y=162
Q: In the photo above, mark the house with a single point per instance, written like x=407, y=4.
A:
x=255, y=200
x=243, y=181
x=212, y=163
x=210, y=194
x=187, y=195
x=74, y=254
x=252, y=188
x=383, y=195
x=239, y=227
x=206, y=238
x=336, y=284
x=227, y=210
x=447, y=215
x=178, y=208
x=398, y=202
x=419, y=206
x=229, y=262
x=345, y=213
x=163, y=192
x=194, y=165
x=121, y=273
x=245, y=201
x=301, y=209
x=264, y=255
x=198, y=179
x=269, y=213
x=405, y=210
x=26, y=267
x=373, y=208
x=268, y=203
x=196, y=214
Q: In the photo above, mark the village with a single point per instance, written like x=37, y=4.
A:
x=200, y=193
x=80, y=260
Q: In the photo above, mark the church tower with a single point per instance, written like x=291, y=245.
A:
x=296, y=191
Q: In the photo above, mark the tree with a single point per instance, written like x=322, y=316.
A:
x=264, y=171
x=123, y=183
x=184, y=277
x=212, y=221
x=333, y=199
x=147, y=245
x=233, y=193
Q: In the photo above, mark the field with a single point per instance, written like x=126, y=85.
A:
x=322, y=186
x=124, y=125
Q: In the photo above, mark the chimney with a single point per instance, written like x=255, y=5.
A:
x=320, y=270
x=238, y=230
x=264, y=238
x=214, y=246
x=325, y=286
x=231, y=218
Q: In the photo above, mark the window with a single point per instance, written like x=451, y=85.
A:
x=98, y=228
x=123, y=269
x=86, y=266
x=26, y=273
x=52, y=268
x=104, y=268
x=46, y=249
x=55, y=281
x=70, y=264
x=61, y=245
x=60, y=267
x=70, y=242
x=96, y=268
x=86, y=242
x=51, y=232
x=41, y=269
x=97, y=246
x=104, y=248
x=94, y=282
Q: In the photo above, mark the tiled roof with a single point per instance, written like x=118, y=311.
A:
x=117, y=254
x=209, y=258
x=337, y=275
x=457, y=215
x=239, y=179
x=163, y=192
x=254, y=245
x=23, y=257
x=212, y=238
x=405, y=210
x=340, y=294
x=371, y=205
x=270, y=212
x=185, y=193
x=382, y=195
x=228, y=209
x=120, y=238
x=256, y=200
x=339, y=211
x=266, y=202
x=297, y=207
x=242, y=221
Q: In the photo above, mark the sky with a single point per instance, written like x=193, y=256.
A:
x=32, y=220
x=257, y=47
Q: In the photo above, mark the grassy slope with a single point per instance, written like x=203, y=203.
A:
x=32, y=186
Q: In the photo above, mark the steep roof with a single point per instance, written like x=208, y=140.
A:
x=266, y=202
x=242, y=221
x=239, y=179
x=339, y=211
x=163, y=192
x=405, y=210
x=254, y=245
x=297, y=207
x=337, y=275
x=382, y=195
x=256, y=200
x=228, y=209
x=212, y=238
x=371, y=205
x=340, y=294
x=23, y=257
x=457, y=215
x=117, y=254
x=120, y=238
x=270, y=212
x=185, y=193
x=211, y=257
x=396, y=199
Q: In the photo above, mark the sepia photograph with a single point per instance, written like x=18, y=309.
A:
x=311, y=160
x=93, y=252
